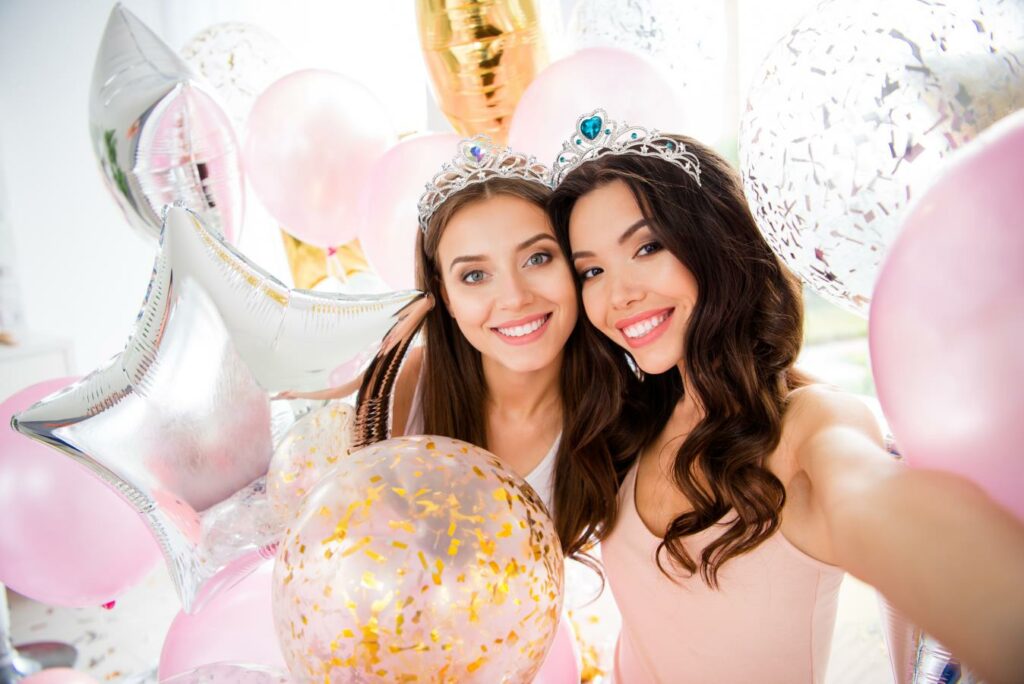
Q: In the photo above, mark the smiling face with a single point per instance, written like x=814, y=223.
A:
x=506, y=282
x=634, y=290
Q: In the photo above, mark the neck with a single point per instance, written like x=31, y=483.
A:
x=523, y=394
x=688, y=405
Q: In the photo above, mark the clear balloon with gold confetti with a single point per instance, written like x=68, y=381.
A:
x=308, y=451
x=419, y=559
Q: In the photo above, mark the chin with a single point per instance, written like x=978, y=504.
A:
x=654, y=363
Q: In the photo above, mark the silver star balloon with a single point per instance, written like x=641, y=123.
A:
x=853, y=115
x=180, y=423
x=158, y=133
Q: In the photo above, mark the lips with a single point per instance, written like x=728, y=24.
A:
x=645, y=327
x=523, y=330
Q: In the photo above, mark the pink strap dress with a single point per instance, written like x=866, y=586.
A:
x=770, y=621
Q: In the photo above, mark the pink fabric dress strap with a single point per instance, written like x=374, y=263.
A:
x=770, y=620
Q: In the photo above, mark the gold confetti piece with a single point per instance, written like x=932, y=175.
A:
x=476, y=664
x=451, y=530
x=403, y=525
x=506, y=531
x=453, y=548
x=375, y=479
x=399, y=545
x=500, y=494
x=423, y=560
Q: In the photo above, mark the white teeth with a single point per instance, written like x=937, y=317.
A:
x=643, y=327
x=520, y=330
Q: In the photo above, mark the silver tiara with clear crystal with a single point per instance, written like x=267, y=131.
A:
x=597, y=136
x=478, y=160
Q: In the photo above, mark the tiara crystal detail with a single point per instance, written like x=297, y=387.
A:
x=598, y=136
x=478, y=160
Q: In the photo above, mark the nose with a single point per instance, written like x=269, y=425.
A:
x=515, y=293
x=625, y=291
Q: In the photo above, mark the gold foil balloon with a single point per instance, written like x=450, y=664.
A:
x=419, y=559
x=310, y=264
x=312, y=447
x=481, y=56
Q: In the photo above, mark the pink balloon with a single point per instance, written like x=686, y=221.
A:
x=312, y=138
x=627, y=86
x=66, y=537
x=562, y=665
x=236, y=624
x=59, y=675
x=390, y=224
x=947, y=320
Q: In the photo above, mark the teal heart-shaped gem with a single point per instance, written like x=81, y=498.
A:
x=591, y=127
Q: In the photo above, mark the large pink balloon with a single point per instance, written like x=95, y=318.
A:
x=236, y=625
x=627, y=86
x=390, y=224
x=66, y=538
x=947, y=320
x=311, y=141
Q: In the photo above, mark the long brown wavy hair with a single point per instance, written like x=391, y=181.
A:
x=600, y=437
x=742, y=340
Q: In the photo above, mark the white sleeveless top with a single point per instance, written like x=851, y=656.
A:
x=541, y=478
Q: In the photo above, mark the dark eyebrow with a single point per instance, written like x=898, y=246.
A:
x=468, y=257
x=632, y=229
x=622, y=238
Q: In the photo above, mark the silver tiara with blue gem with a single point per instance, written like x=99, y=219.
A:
x=597, y=136
x=478, y=160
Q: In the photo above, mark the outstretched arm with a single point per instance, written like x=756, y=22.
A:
x=933, y=543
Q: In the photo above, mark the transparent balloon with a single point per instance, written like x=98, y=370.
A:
x=852, y=116
x=310, y=449
x=687, y=37
x=238, y=61
x=419, y=554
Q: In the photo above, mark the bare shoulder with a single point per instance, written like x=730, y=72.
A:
x=405, y=389
x=820, y=419
x=817, y=407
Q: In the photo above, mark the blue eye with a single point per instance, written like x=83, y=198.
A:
x=538, y=259
x=589, y=273
x=649, y=248
x=472, y=277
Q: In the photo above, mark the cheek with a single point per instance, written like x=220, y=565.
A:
x=465, y=305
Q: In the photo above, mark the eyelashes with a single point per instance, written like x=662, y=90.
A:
x=646, y=249
x=476, y=275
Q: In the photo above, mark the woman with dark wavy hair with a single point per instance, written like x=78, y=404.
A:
x=747, y=503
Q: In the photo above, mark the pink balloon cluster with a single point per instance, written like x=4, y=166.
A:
x=947, y=320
